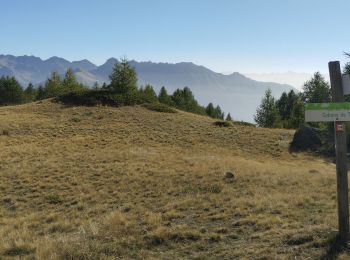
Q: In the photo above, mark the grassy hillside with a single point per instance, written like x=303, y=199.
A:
x=101, y=182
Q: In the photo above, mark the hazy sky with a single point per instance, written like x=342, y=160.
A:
x=224, y=35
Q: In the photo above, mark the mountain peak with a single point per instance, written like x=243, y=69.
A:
x=111, y=60
x=83, y=65
x=55, y=58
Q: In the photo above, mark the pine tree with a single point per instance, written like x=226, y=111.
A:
x=163, y=96
x=282, y=106
x=210, y=110
x=96, y=86
x=40, y=93
x=29, y=93
x=218, y=112
x=123, y=78
x=70, y=83
x=267, y=113
x=149, y=94
x=285, y=106
x=184, y=100
x=316, y=90
x=11, y=91
x=228, y=117
x=53, y=86
x=297, y=115
x=291, y=99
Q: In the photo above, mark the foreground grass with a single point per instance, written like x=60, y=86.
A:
x=100, y=182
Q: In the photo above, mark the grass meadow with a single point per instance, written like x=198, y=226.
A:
x=130, y=183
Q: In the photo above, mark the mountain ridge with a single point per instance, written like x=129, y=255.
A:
x=235, y=93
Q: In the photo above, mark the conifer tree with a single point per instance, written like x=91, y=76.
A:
x=228, y=117
x=218, y=112
x=29, y=93
x=149, y=95
x=123, y=78
x=184, y=100
x=11, y=91
x=282, y=106
x=210, y=110
x=40, y=93
x=267, y=113
x=163, y=96
x=53, y=86
x=316, y=90
x=297, y=114
x=70, y=82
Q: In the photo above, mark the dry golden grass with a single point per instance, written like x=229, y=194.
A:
x=106, y=183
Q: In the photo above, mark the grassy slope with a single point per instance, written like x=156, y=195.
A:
x=127, y=182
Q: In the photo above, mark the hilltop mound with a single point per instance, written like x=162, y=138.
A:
x=103, y=182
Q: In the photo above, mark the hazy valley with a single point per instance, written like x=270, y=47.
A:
x=235, y=93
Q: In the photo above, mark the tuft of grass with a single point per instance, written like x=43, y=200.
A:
x=202, y=189
x=6, y=132
x=53, y=199
x=159, y=107
x=222, y=123
x=75, y=119
x=163, y=236
x=18, y=251
x=299, y=239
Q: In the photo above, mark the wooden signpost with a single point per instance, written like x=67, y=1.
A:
x=337, y=111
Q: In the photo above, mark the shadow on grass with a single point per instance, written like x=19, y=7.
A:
x=335, y=248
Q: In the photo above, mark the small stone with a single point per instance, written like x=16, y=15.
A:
x=229, y=177
x=313, y=171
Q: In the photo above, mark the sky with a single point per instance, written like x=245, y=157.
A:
x=249, y=36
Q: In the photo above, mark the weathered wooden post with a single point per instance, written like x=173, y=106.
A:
x=341, y=160
x=338, y=112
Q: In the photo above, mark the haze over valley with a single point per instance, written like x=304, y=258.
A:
x=237, y=94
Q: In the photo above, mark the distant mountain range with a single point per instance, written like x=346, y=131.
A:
x=235, y=93
x=296, y=79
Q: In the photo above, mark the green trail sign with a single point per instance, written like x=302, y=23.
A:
x=327, y=112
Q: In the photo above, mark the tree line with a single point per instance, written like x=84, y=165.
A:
x=122, y=90
x=288, y=110
x=11, y=92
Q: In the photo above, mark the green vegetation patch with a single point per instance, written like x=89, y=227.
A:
x=202, y=189
x=299, y=239
x=222, y=123
x=97, y=97
x=159, y=107
x=54, y=199
x=18, y=251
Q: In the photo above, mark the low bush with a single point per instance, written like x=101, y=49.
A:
x=159, y=107
x=222, y=123
x=75, y=119
x=93, y=97
x=18, y=251
x=53, y=199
